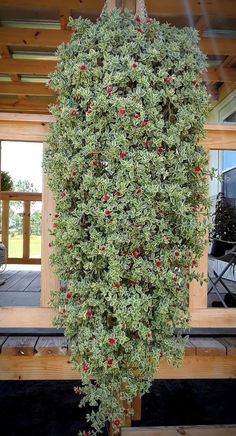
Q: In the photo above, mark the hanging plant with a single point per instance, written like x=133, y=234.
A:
x=128, y=177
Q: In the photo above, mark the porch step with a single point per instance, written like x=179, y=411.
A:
x=197, y=430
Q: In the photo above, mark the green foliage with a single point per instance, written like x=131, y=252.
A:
x=129, y=181
x=6, y=181
x=24, y=186
x=224, y=220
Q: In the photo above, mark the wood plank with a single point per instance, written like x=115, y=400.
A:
x=23, y=131
x=137, y=406
x=190, y=349
x=220, y=75
x=19, y=346
x=5, y=223
x=49, y=281
x=41, y=38
x=35, y=285
x=208, y=347
x=51, y=345
x=23, y=281
x=209, y=430
x=19, y=299
x=29, y=118
x=23, y=88
x=42, y=317
x=219, y=138
x=2, y=340
x=26, y=229
x=20, y=196
x=23, y=261
x=13, y=280
x=230, y=344
x=59, y=368
x=197, y=292
x=25, y=105
x=26, y=66
x=218, y=46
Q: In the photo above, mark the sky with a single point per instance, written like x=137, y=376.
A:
x=23, y=161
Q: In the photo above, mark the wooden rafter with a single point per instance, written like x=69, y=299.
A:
x=24, y=88
x=22, y=66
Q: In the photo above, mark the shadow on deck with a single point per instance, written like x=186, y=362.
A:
x=20, y=288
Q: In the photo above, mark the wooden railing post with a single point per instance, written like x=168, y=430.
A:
x=26, y=230
x=5, y=222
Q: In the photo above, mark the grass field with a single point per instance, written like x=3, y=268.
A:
x=16, y=246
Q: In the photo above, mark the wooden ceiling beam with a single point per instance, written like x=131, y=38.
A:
x=40, y=38
x=220, y=75
x=25, y=105
x=157, y=8
x=218, y=46
x=31, y=67
x=24, y=88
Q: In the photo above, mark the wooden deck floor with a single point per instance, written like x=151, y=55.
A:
x=20, y=288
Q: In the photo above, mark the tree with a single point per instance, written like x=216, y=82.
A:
x=6, y=181
x=24, y=186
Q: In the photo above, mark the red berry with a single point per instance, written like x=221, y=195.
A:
x=136, y=336
x=50, y=81
x=160, y=150
x=135, y=253
x=166, y=238
x=106, y=197
x=139, y=30
x=138, y=19
x=178, y=289
x=94, y=163
x=149, y=20
x=177, y=253
x=133, y=283
x=109, y=362
x=69, y=247
x=144, y=123
x=83, y=67
x=194, y=262
x=89, y=313
x=74, y=173
x=107, y=212
x=139, y=190
x=197, y=169
x=194, y=209
x=161, y=353
x=103, y=248
x=85, y=367
x=86, y=433
x=68, y=295
x=137, y=116
x=117, y=422
x=175, y=279
x=62, y=194
x=138, y=226
x=54, y=225
x=125, y=253
x=118, y=193
x=74, y=113
x=50, y=244
x=135, y=65
x=158, y=263
x=112, y=341
x=126, y=412
x=109, y=90
x=122, y=112
x=168, y=79
x=77, y=390
x=57, y=215
x=117, y=285
x=123, y=155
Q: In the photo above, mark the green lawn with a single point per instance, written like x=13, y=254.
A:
x=16, y=246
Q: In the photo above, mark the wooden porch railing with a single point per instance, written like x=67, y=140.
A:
x=26, y=198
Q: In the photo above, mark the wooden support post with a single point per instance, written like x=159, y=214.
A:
x=122, y=4
x=48, y=279
x=26, y=230
x=137, y=404
x=5, y=222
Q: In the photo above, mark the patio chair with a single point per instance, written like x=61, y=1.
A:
x=230, y=258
